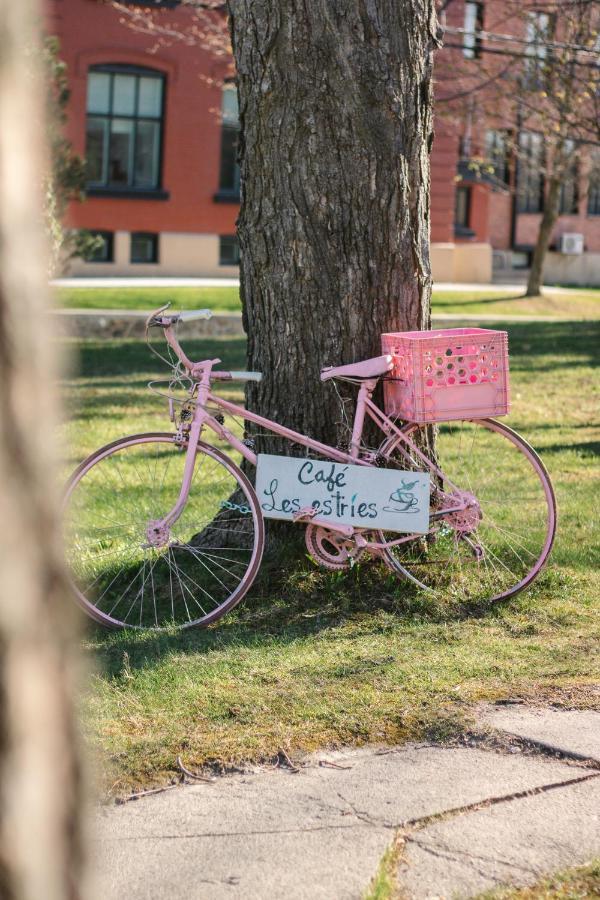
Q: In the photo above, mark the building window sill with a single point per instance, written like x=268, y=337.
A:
x=461, y=231
x=227, y=197
x=127, y=193
x=151, y=4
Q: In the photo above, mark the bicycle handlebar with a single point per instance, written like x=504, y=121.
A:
x=192, y=314
x=195, y=369
x=157, y=319
x=245, y=376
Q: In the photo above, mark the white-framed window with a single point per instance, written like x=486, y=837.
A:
x=538, y=30
x=473, y=25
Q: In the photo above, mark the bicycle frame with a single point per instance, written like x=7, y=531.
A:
x=165, y=529
x=202, y=374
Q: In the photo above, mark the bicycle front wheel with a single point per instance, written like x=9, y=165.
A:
x=497, y=545
x=192, y=573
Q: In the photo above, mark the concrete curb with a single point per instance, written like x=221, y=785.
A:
x=109, y=324
x=318, y=832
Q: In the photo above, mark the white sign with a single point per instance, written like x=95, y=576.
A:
x=367, y=497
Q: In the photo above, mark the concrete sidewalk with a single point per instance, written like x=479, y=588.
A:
x=171, y=282
x=505, y=810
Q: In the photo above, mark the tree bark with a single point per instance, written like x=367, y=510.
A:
x=40, y=773
x=549, y=217
x=336, y=127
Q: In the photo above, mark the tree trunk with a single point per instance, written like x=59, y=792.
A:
x=549, y=217
x=336, y=127
x=40, y=776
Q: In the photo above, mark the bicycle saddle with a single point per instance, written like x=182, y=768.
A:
x=368, y=368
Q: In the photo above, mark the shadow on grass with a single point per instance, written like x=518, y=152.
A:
x=293, y=599
x=572, y=426
x=584, y=448
x=527, y=341
x=440, y=302
x=129, y=357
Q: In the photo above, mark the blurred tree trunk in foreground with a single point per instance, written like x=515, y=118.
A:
x=336, y=127
x=40, y=775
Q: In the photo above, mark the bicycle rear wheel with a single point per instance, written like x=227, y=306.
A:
x=198, y=569
x=496, y=546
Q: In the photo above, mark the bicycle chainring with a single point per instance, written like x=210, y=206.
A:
x=330, y=549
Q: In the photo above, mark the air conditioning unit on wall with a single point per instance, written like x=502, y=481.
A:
x=571, y=243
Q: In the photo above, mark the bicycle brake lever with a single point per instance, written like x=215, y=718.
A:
x=153, y=317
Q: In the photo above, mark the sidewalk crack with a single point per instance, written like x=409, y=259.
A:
x=418, y=824
x=225, y=834
x=475, y=862
x=365, y=817
x=406, y=832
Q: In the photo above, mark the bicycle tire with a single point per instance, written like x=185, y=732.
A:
x=108, y=487
x=513, y=558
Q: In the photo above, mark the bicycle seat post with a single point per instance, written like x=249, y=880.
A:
x=366, y=390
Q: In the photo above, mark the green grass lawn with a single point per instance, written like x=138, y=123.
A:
x=578, y=303
x=219, y=299
x=584, y=304
x=578, y=883
x=313, y=659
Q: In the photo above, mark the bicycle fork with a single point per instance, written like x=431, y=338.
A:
x=158, y=530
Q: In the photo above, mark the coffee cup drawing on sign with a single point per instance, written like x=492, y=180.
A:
x=403, y=500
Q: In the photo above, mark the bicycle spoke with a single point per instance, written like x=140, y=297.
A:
x=189, y=618
x=214, y=575
x=179, y=573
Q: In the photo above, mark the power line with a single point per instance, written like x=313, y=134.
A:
x=514, y=54
x=552, y=45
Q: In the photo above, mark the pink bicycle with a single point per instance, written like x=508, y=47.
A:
x=164, y=530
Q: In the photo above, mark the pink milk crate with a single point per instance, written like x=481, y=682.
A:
x=445, y=374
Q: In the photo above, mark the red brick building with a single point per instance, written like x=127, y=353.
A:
x=157, y=121
x=489, y=49
x=158, y=128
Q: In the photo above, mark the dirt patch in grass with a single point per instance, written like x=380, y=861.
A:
x=577, y=696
